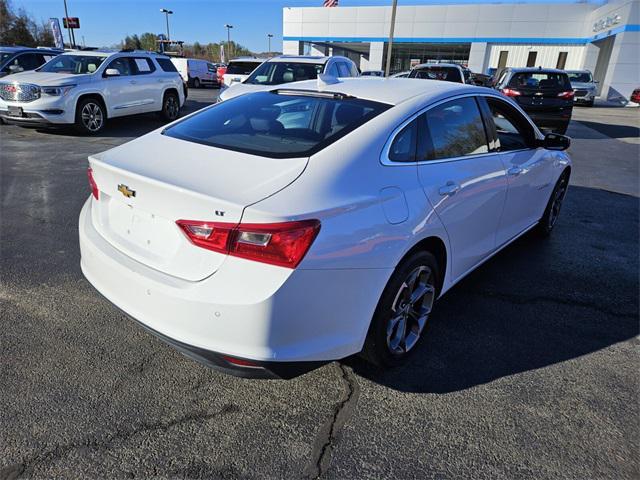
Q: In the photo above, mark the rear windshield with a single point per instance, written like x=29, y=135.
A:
x=275, y=73
x=166, y=64
x=542, y=80
x=447, y=74
x=580, y=77
x=242, y=68
x=276, y=125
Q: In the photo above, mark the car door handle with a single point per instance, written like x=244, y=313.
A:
x=515, y=171
x=451, y=188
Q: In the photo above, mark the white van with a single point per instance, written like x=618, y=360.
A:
x=196, y=72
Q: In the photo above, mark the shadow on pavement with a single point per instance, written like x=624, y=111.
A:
x=612, y=130
x=537, y=303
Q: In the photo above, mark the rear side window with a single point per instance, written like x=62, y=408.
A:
x=452, y=129
x=404, y=145
x=447, y=74
x=166, y=65
x=541, y=80
x=142, y=66
x=242, y=68
x=276, y=125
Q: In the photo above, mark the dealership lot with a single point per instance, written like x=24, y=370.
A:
x=529, y=368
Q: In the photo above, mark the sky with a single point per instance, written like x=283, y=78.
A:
x=105, y=23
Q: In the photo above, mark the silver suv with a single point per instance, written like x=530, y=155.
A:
x=584, y=86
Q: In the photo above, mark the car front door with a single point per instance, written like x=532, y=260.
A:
x=121, y=94
x=529, y=169
x=463, y=180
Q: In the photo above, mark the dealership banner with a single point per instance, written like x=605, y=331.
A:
x=54, y=23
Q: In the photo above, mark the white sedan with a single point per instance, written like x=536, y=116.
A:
x=280, y=230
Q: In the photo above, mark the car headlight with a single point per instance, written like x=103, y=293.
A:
x=57, y=91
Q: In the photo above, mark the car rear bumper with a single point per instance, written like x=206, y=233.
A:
x=550, y=118
x=281, y=320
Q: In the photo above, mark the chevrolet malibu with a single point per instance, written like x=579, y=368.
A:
x=280, y=230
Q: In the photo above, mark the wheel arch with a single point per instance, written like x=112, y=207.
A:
x=95, y=95
x=438, y=248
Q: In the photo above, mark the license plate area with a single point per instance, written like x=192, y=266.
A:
x=14, y=111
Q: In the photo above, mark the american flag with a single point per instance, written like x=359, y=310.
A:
x=330, y=3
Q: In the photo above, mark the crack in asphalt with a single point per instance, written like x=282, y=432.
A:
x=26, y=465
x=329, y=433
x=522, y=300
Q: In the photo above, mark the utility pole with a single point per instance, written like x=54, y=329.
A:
x=228, y=27
x=166, y=14
x=72, y=39
x=390, y=43
x=269, y=36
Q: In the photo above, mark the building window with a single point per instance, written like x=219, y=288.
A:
x=562, y=60
x=502, y=60
x=531, y=59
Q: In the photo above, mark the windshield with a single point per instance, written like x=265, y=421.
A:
x=75, y=64
x=447, y=74
x=242, y=68
x=276, y=125
x=540, y=80
x=580, y=77
x=275, y=73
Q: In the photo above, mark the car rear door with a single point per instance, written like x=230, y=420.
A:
x=148, y=86
x=463, y=180
x=529, y=169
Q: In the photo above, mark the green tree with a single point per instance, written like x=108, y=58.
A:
x=148, y=42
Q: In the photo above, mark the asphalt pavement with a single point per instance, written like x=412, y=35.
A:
x=529, y=369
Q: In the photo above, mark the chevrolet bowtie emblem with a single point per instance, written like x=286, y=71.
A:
x=126, y=191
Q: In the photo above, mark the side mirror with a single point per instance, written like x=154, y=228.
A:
x=555, y=141
x=16, y=69
x=111, y=72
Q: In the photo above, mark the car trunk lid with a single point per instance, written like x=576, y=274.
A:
x=145, y=186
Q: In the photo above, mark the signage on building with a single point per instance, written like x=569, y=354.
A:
x=54, y=23
x=414, y=62
x=605, y=23
x=71, y=22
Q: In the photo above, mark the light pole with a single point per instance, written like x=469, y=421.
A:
x=390, y=44
x=72, y=37
x=228, y=27
x=166, y=14
x=269, y=36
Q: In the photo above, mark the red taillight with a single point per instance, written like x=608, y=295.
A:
x=510, y=92
x=568, y=95
x=92, y=183
x=284, y=244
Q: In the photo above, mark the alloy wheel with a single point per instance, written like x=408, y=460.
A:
x=410, y=310
x=92, y=117
x=171, y=107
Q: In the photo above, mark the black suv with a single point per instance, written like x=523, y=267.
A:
x=544, y=93
x=21, y=59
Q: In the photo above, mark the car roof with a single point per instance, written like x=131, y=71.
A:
x=28, y=49
x=248, y=59
x=391, y=91
x=578, y=71
x=534, y=69
x=315, y=59
x=426, y=65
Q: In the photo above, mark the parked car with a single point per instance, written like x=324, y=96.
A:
x=239, y=69
x=373, y=73
x=290, y=68
x=404, y=74
x=635, y=96
x=545, y=94
x=196, y=72
x=448, y=72
x=584, y=86
x=87, y=88
x=22, y=59
x=277, y=231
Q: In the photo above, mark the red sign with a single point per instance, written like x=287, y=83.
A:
x=71, y=22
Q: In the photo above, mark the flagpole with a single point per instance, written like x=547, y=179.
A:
x=390, y=43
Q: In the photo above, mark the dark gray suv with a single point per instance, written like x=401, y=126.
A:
x=22, y=59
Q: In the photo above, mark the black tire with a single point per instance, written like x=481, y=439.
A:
x=196, y=82
x=554, y=205
x=381, y=346
x=170, y=107
x=91, y=116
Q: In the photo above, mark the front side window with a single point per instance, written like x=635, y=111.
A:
x=276, y=125
x=276, y=73
x=28, y=61
x=75, y=64
x=513, y=130
x=453, y=129
x=580, y=77
x=122, y=65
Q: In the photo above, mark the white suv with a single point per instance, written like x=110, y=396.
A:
x=290, y=68
x=85, y=88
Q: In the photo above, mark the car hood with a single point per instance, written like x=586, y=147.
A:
x=237, y=89
x=46, y=78
x=583, y=85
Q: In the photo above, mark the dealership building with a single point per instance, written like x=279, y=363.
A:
x=601, y=37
